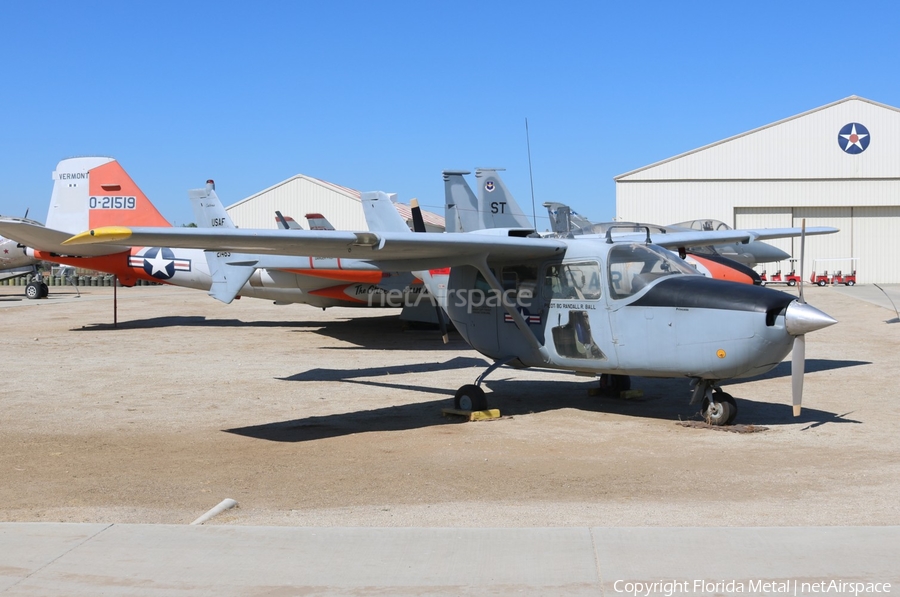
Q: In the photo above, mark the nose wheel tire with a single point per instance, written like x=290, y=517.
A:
x=721, y=412
x=470, y=397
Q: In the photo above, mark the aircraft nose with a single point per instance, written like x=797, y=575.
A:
x=801, y=318
x=773, y=254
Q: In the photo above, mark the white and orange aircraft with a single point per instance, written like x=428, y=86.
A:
x=89, y=192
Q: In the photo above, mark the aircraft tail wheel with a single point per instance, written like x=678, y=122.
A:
x=721, y=412
x=470, y=397
x=33, y=290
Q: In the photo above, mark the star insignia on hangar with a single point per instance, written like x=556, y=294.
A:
x=854, y=138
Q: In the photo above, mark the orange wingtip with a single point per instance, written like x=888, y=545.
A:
x=100, y=235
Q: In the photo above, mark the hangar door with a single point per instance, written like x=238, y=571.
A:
x=828, y=246
x=877, y=244
x=837, y=248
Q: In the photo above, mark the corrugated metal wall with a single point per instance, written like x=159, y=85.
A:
x=876, y=241
x=776, y=175
x=297, y=197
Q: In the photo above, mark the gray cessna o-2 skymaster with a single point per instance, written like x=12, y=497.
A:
x=617, y=306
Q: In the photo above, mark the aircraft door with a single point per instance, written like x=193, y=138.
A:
x=577, y=324
x=520, y=288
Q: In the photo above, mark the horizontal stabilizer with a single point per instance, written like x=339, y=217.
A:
x=228, y=278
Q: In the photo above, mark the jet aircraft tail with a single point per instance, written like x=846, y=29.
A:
x=228, y=271
x=318, y=222
x=496, y=204
x=494, y=207
x=96, y=191
x=87, y=192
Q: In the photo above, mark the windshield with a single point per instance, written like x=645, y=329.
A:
x=633, y=266
x=704, y=225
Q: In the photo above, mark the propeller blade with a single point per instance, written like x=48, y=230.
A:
x=418, y=220
x=802, y=255
x=442, y=324
x=798, y=363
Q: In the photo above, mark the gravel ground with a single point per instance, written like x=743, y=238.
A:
x=332, y=418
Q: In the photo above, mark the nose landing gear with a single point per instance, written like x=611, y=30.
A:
x=717, y=407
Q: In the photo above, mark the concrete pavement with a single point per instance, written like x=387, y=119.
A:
x=163, y=560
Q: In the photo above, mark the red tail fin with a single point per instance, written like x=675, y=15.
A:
x=115, y=200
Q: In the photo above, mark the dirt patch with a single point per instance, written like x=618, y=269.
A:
x=334, y=418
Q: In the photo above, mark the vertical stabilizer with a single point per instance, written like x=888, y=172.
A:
x=318, y=222
x=208, y=209
x=229, y=271
x=460, y=204
x=380, y=213
x=496, y=206
x=287, y=222
x=92, y=192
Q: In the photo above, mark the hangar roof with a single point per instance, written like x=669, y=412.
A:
x=430, y=218
x=804, y=146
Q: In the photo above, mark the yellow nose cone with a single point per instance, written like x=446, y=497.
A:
x=105, y=234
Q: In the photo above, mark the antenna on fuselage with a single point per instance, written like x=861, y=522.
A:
x=530, y=176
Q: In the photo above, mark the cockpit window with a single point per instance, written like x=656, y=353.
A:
x=573, y=281
x=632, y=267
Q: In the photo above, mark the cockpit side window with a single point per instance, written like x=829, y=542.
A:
x=633, y=266
x=579, y=280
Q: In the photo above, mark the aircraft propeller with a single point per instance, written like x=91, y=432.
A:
x=419, y=226
x=800, y=318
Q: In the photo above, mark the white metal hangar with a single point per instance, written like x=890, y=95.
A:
x=301, y=195
x=838, y=165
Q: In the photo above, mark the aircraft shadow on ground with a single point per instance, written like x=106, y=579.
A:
x=323, y=374
x=783, y=369
x=380, y=332
x=664, y=399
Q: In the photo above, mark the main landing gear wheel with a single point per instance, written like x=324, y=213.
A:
x=614, y=384
x=45, y=290
x=470, y=397
x=721, y=412
x=33, y=290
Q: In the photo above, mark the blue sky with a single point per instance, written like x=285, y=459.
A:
x=385, y=95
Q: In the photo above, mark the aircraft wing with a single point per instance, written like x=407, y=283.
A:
x=770, y=233
x=701, y=238
x=401, y=250
x=41, y=238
